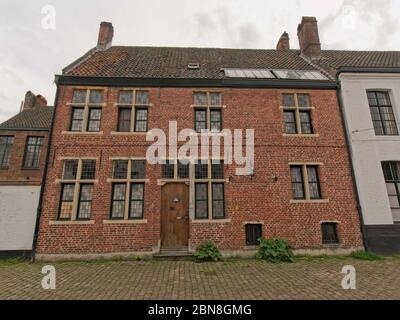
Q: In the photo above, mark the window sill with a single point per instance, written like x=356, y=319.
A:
x=30, y=169
x=209, y=134
x=309, y=201
x=331, y=245
x=70, y=222
x=117, y=133
x=132, y=221
x=300, y=135
x=211, y=221
x=82, y=133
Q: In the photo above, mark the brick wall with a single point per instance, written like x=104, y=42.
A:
x=16, y=174
x=248, y=199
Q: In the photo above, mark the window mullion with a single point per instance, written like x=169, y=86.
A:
x=133, y=111
x=128, y=190
x=77, y=191
x=305, y=182
x=297, y=114
x=209, y=183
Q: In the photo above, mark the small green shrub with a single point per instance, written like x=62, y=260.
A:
x=12, y=261
x=365, y=255
x=275, y=250
x=207, y=252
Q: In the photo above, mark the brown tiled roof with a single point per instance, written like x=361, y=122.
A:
x=366, y=59
x=36, y=118
x=172, y=62
x=169, y=62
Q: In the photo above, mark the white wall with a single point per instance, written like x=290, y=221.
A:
x=369, y=150
x=18, y=205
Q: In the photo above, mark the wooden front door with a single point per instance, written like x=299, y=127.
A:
x=174, y=215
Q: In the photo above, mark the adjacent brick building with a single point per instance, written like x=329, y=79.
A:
x=23, y=146
x=102, y=197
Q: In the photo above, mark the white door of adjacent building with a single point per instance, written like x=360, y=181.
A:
x=18, y=206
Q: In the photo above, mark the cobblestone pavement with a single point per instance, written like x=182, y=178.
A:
x=233, y=279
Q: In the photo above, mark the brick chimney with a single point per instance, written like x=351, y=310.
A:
x=307, y=31
x=32, y=101
x=106, y=34
x=283, y=43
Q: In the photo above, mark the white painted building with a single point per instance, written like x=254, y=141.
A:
x=371, y=104
x=23, y=150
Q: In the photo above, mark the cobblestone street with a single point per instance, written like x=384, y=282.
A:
x=317, y=278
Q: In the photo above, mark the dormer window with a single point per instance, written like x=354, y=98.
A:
x=193, y=66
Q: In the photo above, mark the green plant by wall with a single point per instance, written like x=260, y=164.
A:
x=365, y=255
x=275, y=250
x=207, y=252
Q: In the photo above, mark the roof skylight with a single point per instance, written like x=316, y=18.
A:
x=299, y=75
x=249, y=73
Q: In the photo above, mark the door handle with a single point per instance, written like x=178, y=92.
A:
x=179, y=218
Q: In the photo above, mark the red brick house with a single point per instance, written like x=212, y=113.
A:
x=101, y=196
x=23, y=147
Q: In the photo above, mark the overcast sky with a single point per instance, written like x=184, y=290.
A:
x=30, y=55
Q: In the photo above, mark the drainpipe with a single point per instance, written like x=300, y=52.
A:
x=44, y=177
x=350, y=155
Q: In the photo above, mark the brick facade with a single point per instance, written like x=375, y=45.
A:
x=264, y=197
x=16, y=174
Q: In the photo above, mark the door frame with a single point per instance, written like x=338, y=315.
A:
x=162, y=212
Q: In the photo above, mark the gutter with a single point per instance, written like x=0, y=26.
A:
x=345, y=69
x=44, y=178
x=190, y=83
x=350, y=155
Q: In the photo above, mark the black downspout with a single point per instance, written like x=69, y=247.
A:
x=44, y=177
x=350, y=156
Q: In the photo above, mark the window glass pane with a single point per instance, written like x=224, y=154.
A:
x=138, y=169
x=96, y=96
x=183, y=170
x=125, y=97
x=372, y=98
x=215, y=99
x=6, y=143
x=142, y=97
x=313, y=182
x=216, y=120
x=201, y=196
x=168, y=169
x=305, y=121
x=118, y=204
x=288, y=100
x=329, y=233
x=201, y=171
x=297, y=182
x=218, y=200
x=70, y=169
x=88, y=169
x=136, y=206
x=200, y=99
x=137, y=191
x=67, y=197
x=383, y=98
x=32, y=152
x=253, y=233
x=77, y=119
x=217, y=170
x=200, y=120
x=79, y=96
x=85, y=201
x=94, y=120
x=141, y=120
x=303, y=100
x=124, y=119
x=120, y=169
x=290, y=122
